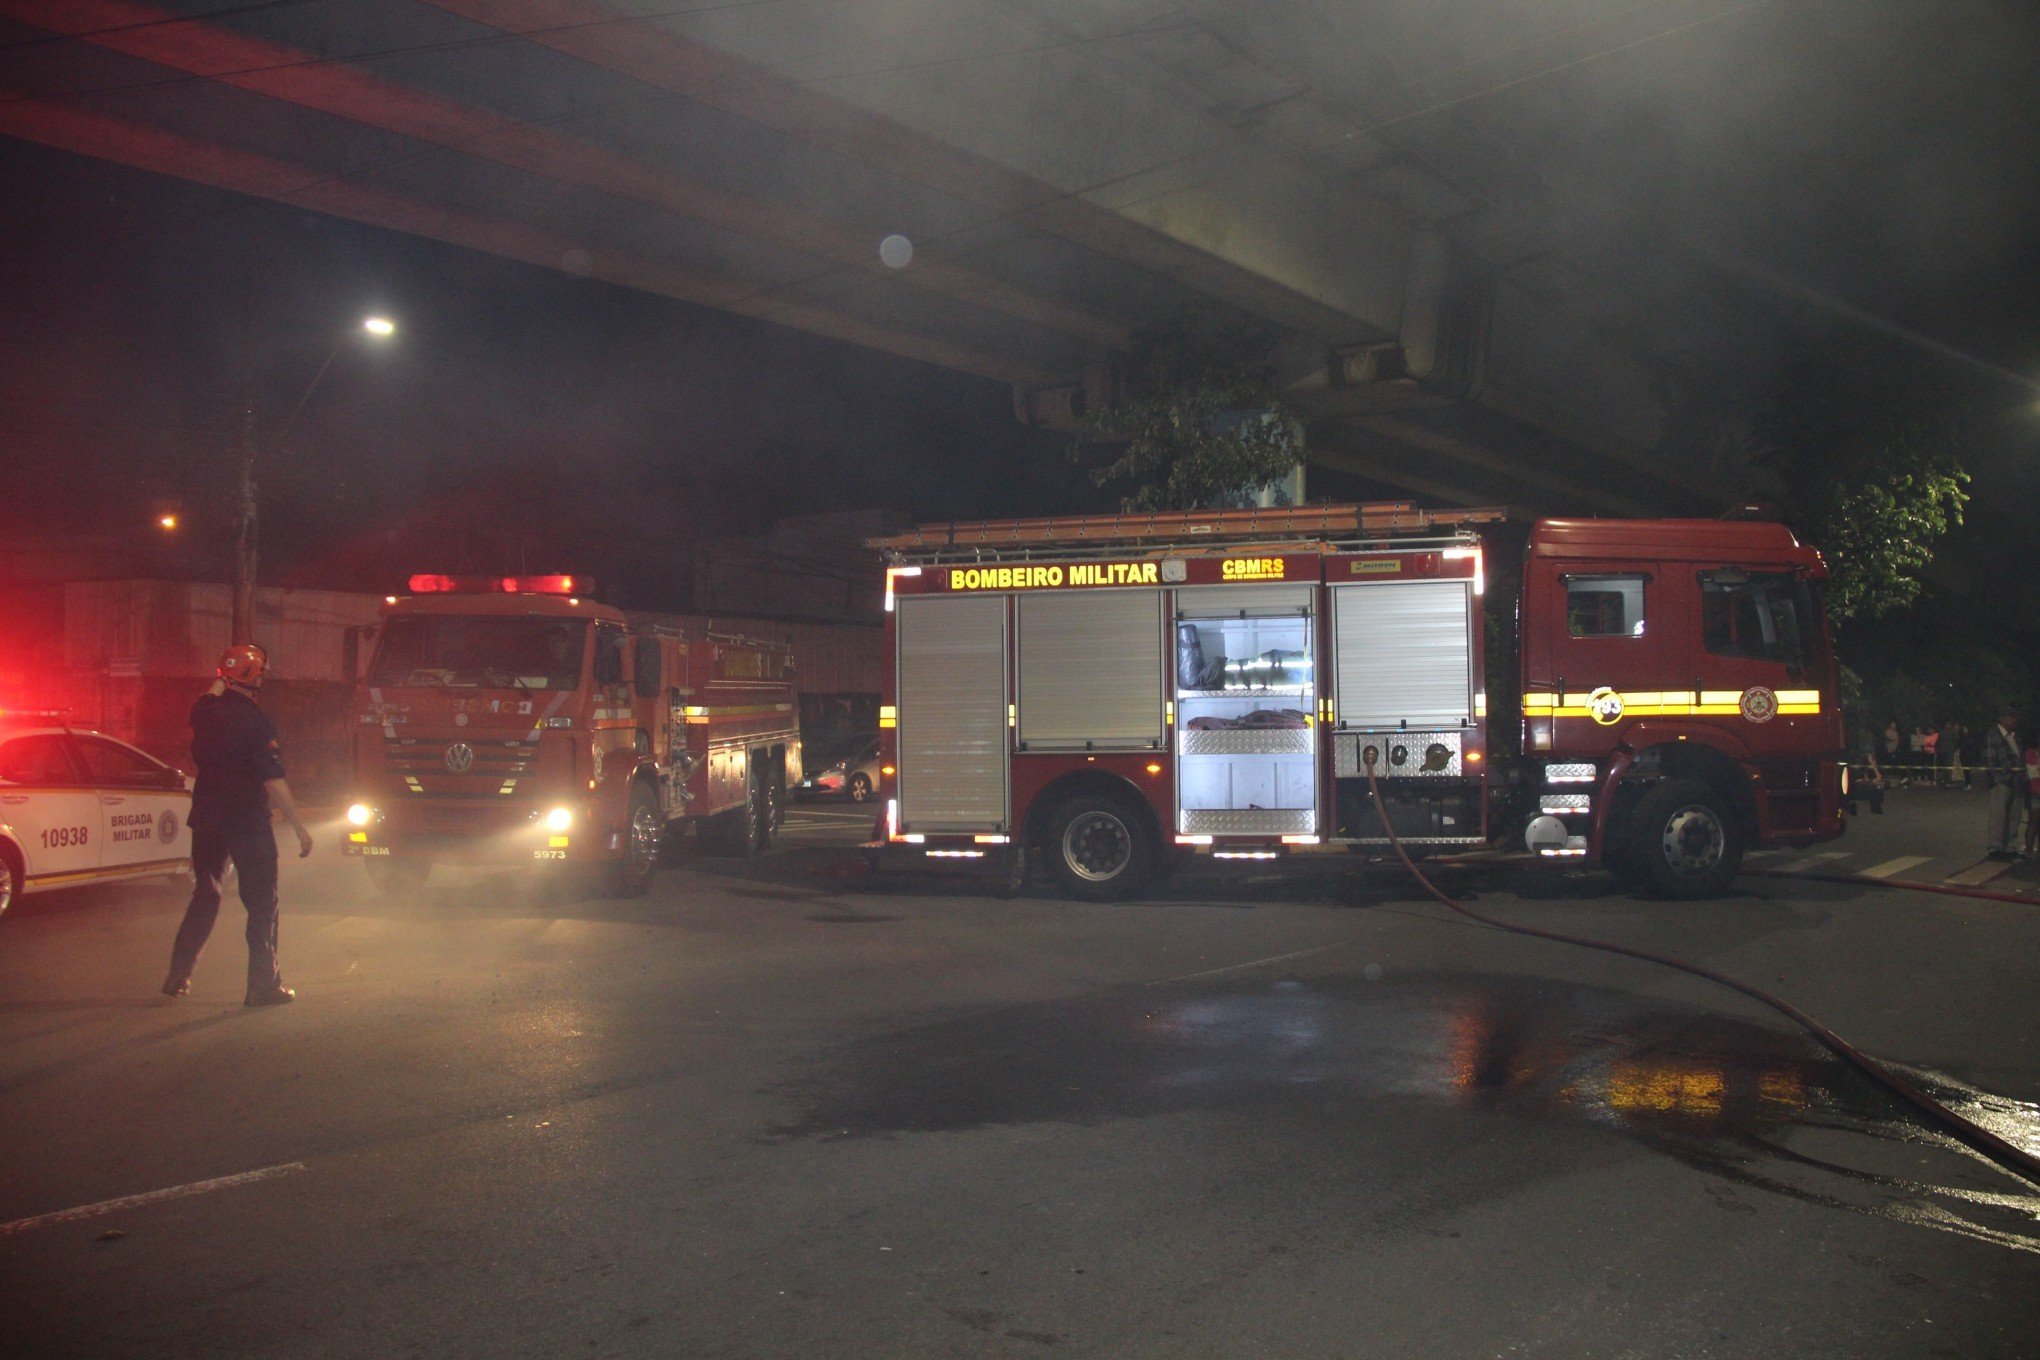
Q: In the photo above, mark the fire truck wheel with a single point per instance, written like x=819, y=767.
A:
x=631, y=876
x=736, y=832
x=394, y=877
x=764, y=797
x=859, y=787
x=1685, y=840
x=1100, y=849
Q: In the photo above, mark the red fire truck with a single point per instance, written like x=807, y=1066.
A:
x=510, y=719
x=1111, y=692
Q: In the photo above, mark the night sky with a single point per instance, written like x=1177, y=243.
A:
x=522, y=417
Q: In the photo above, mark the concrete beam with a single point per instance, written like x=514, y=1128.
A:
x=70, y=127
x=295, y=77
x=604, y=36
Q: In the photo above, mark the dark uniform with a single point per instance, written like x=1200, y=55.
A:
x=234, y=745
x=2004, y=769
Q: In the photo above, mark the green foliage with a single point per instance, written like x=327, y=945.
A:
x=1868, y=463
x=1198, y=424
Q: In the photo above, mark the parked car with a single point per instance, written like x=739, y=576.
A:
x=852, y=772
x=79, y=807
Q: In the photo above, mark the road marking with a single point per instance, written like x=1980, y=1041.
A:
x=1978, y=874
x=1815, y=861
x=1891, y=867
x=1237, y=967
x=112, y=1206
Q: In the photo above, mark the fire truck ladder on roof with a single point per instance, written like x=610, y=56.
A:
x=1178, y=527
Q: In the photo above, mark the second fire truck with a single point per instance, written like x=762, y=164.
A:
x=511, y=720
x=1108, y=693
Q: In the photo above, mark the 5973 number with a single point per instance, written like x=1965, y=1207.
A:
x=58, y=837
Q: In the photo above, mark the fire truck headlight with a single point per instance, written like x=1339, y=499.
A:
x=360, y=814
x=559, y=819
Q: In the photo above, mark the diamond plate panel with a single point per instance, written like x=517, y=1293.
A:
x=1247, y=741
x=1246, y=821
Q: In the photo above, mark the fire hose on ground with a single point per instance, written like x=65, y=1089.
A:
x=2014, y=1159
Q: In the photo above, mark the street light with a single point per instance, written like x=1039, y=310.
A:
x=167, y=521
x=246, y=537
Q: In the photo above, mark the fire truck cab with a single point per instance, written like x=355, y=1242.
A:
x=510, y=720
x=1112, y=692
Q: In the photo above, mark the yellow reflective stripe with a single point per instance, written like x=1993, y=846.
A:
x=1718, y=703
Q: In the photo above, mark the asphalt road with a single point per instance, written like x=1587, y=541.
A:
x=773, y=1110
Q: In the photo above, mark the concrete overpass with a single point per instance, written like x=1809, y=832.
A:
x=1456, y=323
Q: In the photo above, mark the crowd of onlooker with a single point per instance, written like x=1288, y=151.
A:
x=2003, y=758
x=1946, y=754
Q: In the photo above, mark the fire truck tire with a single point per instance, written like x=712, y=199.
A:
x=631, y=876
x=1685, y=841
x=736, y=832
x=765, y=798
x=1100, y=849
x=393, y=877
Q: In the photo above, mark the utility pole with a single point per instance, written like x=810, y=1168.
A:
x=246, y=533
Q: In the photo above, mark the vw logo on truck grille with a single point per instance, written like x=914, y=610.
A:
x=460, y=757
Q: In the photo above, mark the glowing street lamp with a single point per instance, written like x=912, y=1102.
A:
x=381, y=327
x=167, y=521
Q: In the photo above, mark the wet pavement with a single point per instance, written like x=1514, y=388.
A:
x=781, y=1109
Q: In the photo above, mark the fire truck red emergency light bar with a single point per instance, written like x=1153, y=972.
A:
x=1328, y=520
x=506, y=585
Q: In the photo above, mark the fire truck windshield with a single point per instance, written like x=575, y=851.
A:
x=479, y=651
x=1762, y=615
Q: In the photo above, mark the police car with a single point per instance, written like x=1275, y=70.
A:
x=79, y=807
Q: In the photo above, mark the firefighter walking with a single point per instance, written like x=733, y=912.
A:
x=240, y=778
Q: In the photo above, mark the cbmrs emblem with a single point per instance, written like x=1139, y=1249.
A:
x=1759, y=704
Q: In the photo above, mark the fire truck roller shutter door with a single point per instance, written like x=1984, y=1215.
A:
x=1090, y=675
x=1237, y=601
x=1403, y=652
x=952, y=712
